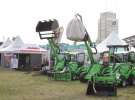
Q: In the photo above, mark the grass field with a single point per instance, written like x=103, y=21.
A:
x=16, y=85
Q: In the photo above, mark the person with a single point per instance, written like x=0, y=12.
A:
x=14, y=62
x=106, y=59
x=29, y=67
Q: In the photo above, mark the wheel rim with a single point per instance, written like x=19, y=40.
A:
x=124, y=83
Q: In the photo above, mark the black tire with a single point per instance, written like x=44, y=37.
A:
x=74, y=77
x=81, y=77
x=115, y=90
x=130, y=80
x=133, y=81
x=123, y=83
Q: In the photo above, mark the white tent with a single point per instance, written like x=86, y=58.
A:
x=14, y=46
x=18, y=46
x=6, y=43
x=7, y=52
x=112, y=39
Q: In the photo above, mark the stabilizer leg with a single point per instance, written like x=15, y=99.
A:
x=90, y=89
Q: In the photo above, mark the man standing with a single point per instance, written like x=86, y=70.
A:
x=14, y=62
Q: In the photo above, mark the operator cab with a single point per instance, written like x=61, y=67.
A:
x=118, y=54
x=71, y=58
x=77, y=57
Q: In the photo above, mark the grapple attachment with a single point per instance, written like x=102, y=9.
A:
x=101, y=89
x=47, y=28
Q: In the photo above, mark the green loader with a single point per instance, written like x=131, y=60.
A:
x=103, y=82
x=91, y=72
x=63, y=65
x=72, y=68
x=50, y=30
x=119, y=72
x=125, y=69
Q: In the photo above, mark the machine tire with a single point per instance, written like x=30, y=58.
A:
x=74, y=77
x=115, y=90
x=81, y=77
x=123, y=83
x=133, y=80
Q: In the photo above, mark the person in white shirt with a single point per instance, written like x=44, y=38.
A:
x=14, y=62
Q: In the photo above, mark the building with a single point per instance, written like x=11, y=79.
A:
x=106, y=24
x=130, y=40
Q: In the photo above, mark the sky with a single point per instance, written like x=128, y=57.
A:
x=20, y=17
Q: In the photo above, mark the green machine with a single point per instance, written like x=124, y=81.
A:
x=50, y=30
x=100, y=77
x=72, y=67
x=77, y=32
x=118, y=72
x=63, y=65
x=103, y=82
x=92, y=73
x=132, y=60
x=75, y=66
x=124, y=67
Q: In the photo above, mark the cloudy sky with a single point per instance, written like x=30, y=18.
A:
x=19, y=17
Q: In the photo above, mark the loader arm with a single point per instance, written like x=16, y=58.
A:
x=50, y=30
x=87, y=41
x=88, y=45
x=94, y=84
x=55, y=49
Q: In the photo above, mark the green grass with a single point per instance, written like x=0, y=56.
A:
x=16, y=85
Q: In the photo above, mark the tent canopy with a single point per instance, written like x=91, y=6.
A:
x=32, y=48
x=14, y=46
x=6, y=43
x=18, y=46
x=112, y=40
